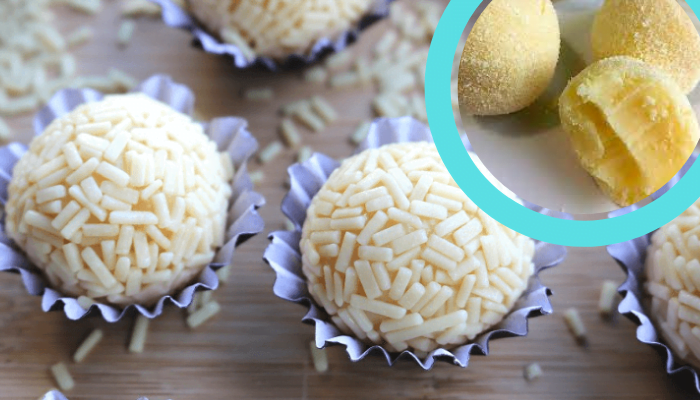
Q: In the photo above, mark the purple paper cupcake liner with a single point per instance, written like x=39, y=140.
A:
x=631, y=256
x=176, y=17
x=284, y=257
x=231, y=135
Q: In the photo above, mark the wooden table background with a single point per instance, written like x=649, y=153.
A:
x=257, y=348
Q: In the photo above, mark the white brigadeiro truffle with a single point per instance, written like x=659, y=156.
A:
x=277, y=28
x=673, y=283
x=398, y=255
x=123, y=200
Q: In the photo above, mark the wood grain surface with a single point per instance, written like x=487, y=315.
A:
x=257, y=348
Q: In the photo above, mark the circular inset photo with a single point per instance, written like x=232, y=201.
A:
x=583, y=107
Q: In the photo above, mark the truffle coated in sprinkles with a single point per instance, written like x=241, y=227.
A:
x=80, y=245
x=359, y=266
x=673, y=284
x=283, y=256
x=291, y=27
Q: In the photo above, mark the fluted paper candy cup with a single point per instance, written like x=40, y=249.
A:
x=176, y=17
x=231, y=136
x=631, y=256
x=283, y=255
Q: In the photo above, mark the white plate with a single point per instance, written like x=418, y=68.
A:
x=528, y=151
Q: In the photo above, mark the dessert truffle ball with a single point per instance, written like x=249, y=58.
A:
x=631, y=126
x=123, y=200
x=673, y=283
x=658, y=32
x=509, y=58
x=277, y=28
x=398, y=255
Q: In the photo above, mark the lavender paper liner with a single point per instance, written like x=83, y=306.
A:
x=231, y=135
x=631, y=256
x=56, y=395
x=284, y=257
x=175, y=17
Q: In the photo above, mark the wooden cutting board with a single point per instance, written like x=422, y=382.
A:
x=257, y=348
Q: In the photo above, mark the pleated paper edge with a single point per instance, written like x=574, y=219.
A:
x=231, y=135
x=283, y=256
x=630, y=256
x=175, y=17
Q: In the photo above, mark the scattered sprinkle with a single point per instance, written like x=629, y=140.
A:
x=319, y=357
x=203, y=314
x=63, y=378
x=270, y=152
x=316, y=75
x=136, y=8
x=126, y=31
x=573, y=320
x=5, y=132
x=259, y=94
x=608, y=293
x=304, y=154
x=79, y=36
x=532, y=372
x=138, y=335
x=360, y=133
x=224, y=273
x=289, y=133
x=257, y=177
x=87, y=346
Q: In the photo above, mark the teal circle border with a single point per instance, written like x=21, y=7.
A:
x=500, y=207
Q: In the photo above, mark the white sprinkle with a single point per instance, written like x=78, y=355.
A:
x=63, y=378
x=139, y=334
x=319, y=357
x=532, y=372
x=270, y=152
x=259, y=94
x=126, y=31
x=88, y=345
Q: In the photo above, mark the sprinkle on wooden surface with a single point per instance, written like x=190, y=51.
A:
x=202, y=315
x=289, y=133
x=224, y=273
x=257, y=177
x=126, y=31
x=79, y=36
x=88, y=345
x=608, y=293
x=139, y=334
x=270, y=152
x=532, y=372
x=360, y=133
x=319, y=357
x=575, y=324
x=324, y=109
x=304, y=154
x=259, y=94
x=63, y=378
x=138, y=8
x=339, y=60
x=5, y=132
x=316, y=75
